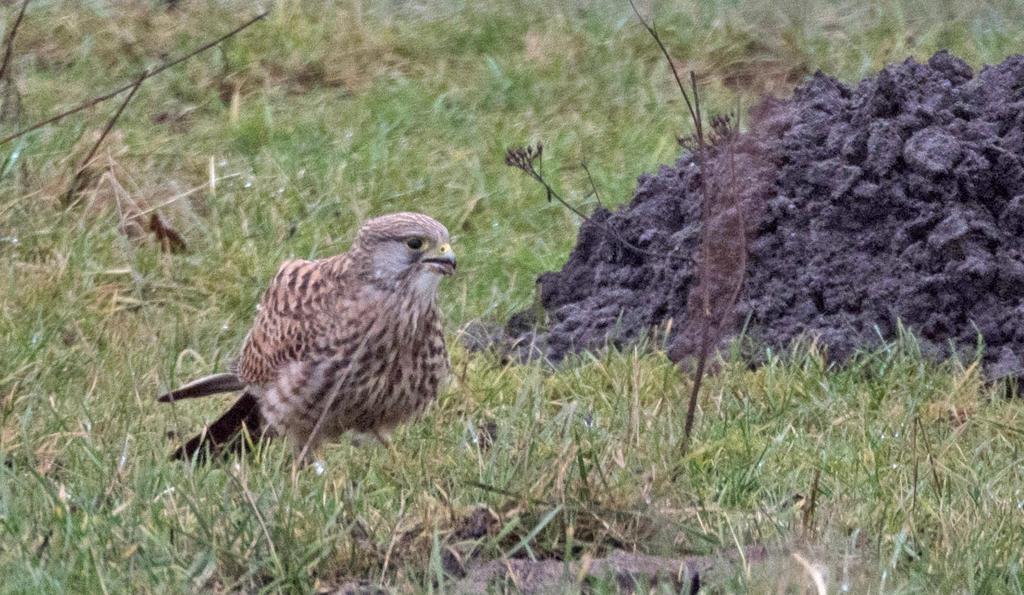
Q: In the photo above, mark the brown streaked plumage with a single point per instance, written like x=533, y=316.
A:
x=351, y=342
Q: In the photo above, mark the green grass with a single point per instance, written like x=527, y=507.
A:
x=355, y=110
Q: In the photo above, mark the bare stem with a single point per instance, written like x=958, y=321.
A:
x=706, y=214
x=523, y=159
x=69, y=195
x=808, y=520
x=694, y=115
x=593, y=186
x=9, y=50
x=146, y=74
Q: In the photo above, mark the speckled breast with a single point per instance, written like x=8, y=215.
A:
x=393, y=383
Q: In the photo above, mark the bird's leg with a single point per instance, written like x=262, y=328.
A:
x=359, y=440
x=304, y=452
x=382, y=437
x=297, y=462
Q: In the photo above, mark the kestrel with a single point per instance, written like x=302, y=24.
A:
x=350, y=342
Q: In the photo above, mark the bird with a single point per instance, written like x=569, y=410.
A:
x=351, y=342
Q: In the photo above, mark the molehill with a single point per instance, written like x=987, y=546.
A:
x=852, y=211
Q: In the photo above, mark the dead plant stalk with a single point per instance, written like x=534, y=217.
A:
x=70, y=194
x=149, y=73
x=705, y=329
x=529, y=160
x=9, y=41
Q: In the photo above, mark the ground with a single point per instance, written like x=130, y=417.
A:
x=890, y=474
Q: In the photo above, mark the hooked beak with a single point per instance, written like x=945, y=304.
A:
x=441, y=258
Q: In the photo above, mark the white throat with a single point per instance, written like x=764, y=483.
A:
x=424, y=285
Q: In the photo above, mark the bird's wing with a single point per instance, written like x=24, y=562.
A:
x=292, y=315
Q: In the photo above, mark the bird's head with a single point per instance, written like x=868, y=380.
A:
x=407, y=247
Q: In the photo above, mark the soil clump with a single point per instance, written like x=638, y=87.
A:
x=845, y=212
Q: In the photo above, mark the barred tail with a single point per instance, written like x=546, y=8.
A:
x=207, y=385
x=226, y=431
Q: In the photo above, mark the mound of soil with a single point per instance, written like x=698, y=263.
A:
x=854, y=210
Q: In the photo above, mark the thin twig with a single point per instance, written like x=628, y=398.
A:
x=705, y=287
x=539, y=177
x=705, y=332
x=668, y=58
x=149, y=73
x=508, y=493
x=691, y=405
x=913, y=448
x=523, y=158
x=697, y=118
x=808, y=520
x=69, y=195
x=593, y=186
x=698, y=121
x=931, y=459
x=8, y=51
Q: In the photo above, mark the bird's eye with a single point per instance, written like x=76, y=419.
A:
x=414, y=243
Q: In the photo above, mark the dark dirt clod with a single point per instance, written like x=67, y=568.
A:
x=898, y=200
x=481, y=522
